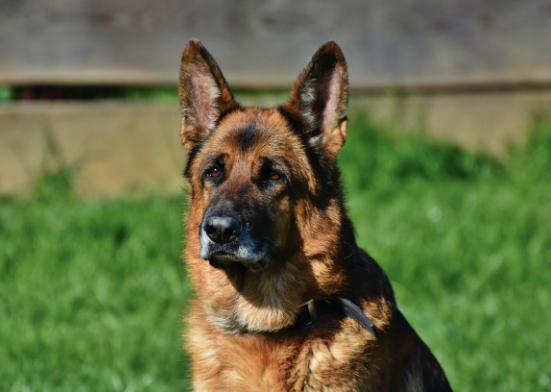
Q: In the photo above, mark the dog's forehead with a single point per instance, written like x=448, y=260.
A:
x=255, y=131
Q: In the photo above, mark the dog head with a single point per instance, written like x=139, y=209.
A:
x=265, y=194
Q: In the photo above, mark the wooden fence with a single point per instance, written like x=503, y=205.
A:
x=262, y=44
x=473, y=72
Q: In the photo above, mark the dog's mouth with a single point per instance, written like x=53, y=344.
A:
x=225, y=261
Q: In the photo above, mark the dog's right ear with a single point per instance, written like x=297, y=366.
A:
x=204, y=94
x=320, y=99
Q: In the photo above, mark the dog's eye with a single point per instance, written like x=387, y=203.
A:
x=214, y=172
x=274, y=176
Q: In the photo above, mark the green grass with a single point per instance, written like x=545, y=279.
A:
x=92, y=292
x=91, y=295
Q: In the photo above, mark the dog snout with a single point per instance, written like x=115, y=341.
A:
x=222, y=229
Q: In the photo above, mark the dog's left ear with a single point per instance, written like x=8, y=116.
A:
x=320, y=99
x=204, y=94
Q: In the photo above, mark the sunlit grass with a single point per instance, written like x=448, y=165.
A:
x=91, y=295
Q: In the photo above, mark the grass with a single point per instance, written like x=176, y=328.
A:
x=92, y=292
x=91, y=295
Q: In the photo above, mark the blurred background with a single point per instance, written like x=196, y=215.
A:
x=447, y=170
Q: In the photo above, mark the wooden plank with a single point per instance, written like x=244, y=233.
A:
x=112, y=147
x=487, y=122
x=264, y=44
x=134, y=147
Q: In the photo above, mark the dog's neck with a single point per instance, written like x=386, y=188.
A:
x=335, y=305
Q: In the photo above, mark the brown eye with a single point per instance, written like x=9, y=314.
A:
x=274, y=176
x=214, y=172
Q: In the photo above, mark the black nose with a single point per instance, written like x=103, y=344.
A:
x=222, y=229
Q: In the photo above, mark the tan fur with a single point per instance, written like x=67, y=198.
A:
x=237, y=326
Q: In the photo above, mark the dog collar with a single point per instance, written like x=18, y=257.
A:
x=312, y=309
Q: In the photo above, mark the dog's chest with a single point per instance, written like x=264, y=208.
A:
x=338, y=362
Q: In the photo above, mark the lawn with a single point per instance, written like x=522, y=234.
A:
x=92, y=292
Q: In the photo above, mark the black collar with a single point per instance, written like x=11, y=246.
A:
x=312, y=309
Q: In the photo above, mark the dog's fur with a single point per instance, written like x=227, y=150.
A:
x=267, y=230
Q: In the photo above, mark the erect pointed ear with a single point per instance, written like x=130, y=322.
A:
x=320, y=99
x=204, y=94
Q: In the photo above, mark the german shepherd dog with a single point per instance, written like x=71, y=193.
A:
x=285, y=300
